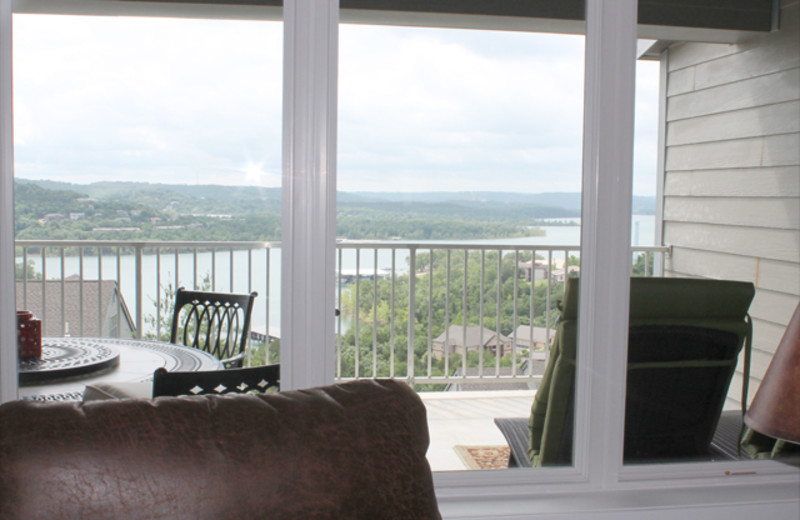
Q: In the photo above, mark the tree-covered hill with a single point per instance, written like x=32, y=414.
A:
x=144, y=211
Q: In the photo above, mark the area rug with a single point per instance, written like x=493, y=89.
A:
x=483, y=457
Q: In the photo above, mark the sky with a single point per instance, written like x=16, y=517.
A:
x=199, y=102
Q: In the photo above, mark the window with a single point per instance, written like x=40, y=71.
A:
x=155, y=130
x=597, y=484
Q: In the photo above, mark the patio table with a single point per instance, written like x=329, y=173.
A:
x=68, y=364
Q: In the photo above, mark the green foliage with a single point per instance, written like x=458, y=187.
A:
x=381, y=347
x=643, y=266
x=258, y=352
x=160, y=323
x=149, y=212
x=26, y=272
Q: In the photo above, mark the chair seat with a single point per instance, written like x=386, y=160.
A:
x=724, y=446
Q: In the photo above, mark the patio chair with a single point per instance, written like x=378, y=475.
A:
x=684, y=340
x=235, y=380
x=218, y=323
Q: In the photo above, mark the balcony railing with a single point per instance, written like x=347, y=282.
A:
x=431, y=313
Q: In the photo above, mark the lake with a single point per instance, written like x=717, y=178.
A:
x=262, y=276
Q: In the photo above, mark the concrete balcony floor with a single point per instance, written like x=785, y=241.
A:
x=467, y=419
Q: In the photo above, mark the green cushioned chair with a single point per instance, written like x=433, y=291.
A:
x=684, y=341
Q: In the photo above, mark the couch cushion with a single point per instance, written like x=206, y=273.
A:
x=355, y=450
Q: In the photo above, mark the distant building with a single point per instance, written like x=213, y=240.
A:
x=533, y=271
x=457, y=339
x=76, y=216
x=170, y=227
x=537, y=339
x=101, y=229
x=88, y=308
x=349, y=276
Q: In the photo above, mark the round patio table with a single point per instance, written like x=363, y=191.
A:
x=68, y=364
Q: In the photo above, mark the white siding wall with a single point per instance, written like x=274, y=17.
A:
x=732, y=182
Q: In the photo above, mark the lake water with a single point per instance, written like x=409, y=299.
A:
x=255, y=273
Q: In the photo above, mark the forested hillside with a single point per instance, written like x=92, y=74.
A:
x=142, y=211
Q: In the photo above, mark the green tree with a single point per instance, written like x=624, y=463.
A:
x=377, y=338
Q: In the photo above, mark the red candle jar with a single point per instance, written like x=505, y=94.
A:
x=29, y=335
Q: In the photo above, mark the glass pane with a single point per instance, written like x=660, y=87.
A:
x=151, y=145
x=731, y=222
x=459, y=183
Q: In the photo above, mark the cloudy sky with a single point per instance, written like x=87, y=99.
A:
x=197, y=101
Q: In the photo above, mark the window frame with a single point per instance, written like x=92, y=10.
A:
x=597, y=486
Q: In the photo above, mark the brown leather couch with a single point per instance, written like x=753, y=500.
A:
x=351, y=451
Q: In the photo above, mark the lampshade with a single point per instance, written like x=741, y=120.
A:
x=775, y=410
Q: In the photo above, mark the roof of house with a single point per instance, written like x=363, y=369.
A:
x=83, y=303
x=540, y=334
x=475, y=336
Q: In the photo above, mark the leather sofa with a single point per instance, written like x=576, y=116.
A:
x=354, y=451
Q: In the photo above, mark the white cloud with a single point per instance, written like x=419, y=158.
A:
x=200, y=101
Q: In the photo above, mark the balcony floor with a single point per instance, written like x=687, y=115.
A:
x=467, y=418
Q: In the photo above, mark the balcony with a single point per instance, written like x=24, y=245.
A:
x=124, y=289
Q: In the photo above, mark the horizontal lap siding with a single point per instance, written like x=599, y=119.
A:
x=732, y=173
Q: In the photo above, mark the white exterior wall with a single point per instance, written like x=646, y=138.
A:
x=732, y=173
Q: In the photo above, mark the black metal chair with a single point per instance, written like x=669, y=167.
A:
x=235, y=380
x=217, y=323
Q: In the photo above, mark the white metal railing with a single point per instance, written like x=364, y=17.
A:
x=394, y=299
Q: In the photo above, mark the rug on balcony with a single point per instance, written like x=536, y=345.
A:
x=483, y=457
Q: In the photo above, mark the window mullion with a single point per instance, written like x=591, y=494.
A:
x=605, y=238
x=308, y=238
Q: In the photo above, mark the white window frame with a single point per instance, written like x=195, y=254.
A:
x=598, y=486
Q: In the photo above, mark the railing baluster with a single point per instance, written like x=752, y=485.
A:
x=392, y=315
x=64, y=324
x=375, y=313
x=177, y=270
x=80, y=291
x=357, y=313
x=339, y=314
x=531, y=311
x=44, y=288
x=158, y=293
x=213, y=269
x=100, y=290
x=514, y=321
x=268, y=283
x=480, y=310
x=497, y=323
x=119, y=293
x=25, y=278
x=447, y=315
x=139, y=295
x=430, y=313
x=464, y=321
x=412, y=284
x=230, y=266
